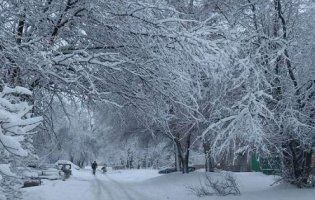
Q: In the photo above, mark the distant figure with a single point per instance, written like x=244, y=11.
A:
x=104, y=168
x=94, y=166
x=66, y=171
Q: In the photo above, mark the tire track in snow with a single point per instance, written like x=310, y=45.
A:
x=110, y=189
x=108, y=193
x=96, y=190
x=119, y=191
x=127, y=191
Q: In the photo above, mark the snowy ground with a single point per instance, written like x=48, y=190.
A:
x=149, y=185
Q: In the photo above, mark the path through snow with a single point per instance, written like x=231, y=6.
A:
x=149, y=185
x=113, y=190
x=84, y=186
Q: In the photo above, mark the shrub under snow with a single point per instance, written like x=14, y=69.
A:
x=222, y=185
x=16, y=125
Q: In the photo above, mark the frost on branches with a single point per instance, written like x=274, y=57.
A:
x=16, y=125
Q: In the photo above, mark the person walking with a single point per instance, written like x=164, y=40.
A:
x=94, y=166
x=104, y=168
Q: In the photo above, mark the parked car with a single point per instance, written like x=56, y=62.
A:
x=167, y=170
x=118, y=167
x=171, y=170
x=32, y=183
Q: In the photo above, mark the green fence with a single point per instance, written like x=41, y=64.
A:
x=269, y=166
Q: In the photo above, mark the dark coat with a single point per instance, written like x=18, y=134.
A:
x=94, y=165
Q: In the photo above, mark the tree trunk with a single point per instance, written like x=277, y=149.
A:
x=297, y=163
x=182, y=158
x=185, y=158
x=209, y=161
x=209, y=165
x=71, y=159
x=307, y=165
x=185, y=165
x=177, y=158
x=20, y=29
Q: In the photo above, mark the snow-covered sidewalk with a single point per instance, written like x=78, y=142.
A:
x=84, y=186
x=149, y=185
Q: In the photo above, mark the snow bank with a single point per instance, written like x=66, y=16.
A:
x=149, y=185
x=253, y=186
x=5, y=169
x=17, y=90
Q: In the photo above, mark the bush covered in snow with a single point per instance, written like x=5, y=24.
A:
x=16, y=125
x=223, y=185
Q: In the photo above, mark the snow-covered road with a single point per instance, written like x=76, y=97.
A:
x=113, y=190
x=84, y=186
x=149, y=185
